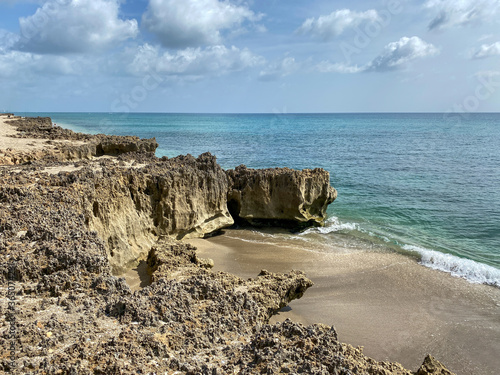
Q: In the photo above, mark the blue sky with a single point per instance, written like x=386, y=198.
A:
x=271, y=56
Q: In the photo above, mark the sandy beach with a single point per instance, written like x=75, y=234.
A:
x=388, y=303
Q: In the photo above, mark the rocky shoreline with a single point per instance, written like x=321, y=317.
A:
x=85, y=208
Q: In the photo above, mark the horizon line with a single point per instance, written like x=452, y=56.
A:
x=256, y=113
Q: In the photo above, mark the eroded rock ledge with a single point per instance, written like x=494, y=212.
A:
x=65, y=227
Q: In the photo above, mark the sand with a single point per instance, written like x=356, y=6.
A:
x=388, y=303
x=17, y=144
x=7, y=142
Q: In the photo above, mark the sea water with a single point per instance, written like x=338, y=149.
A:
x=426, y=185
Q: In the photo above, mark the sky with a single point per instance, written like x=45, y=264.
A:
x=236, y=56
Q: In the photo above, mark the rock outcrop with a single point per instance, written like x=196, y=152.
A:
x=64, y=144
x=63, y=235
x=280, y=196
x=131, y=208
x=432, y=366
x=72, y=316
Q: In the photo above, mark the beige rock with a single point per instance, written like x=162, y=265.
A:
x=182, y=197
x=57, y=144
x=280, y=195
x=432, y=366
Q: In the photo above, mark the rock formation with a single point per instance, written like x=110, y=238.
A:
x=131, y=208
x=68, y=145
x=432, y=366
x=280, y=195
x=63, y=234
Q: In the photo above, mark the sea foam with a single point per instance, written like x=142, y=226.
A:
x=332, y=225
x=459, y=267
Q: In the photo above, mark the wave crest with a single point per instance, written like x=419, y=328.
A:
x=459, y=267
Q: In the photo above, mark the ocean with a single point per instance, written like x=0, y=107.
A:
x=425, y=185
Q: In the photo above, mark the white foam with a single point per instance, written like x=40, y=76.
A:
x=474, y=272
x=332, y=225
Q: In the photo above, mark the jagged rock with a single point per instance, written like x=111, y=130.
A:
x=290, y=347
x=432, y=366
x=72, y=316
x=83, y=146
x=181, y=197
x=280, y=195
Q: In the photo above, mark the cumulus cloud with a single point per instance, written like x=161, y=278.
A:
x=487, y=50
x=193, y=23
x=26, y=65
x=279, y=69
x=74, y=26
x=213, y=60
x=451, y=13
x=332, y=25
x=397, y=55
x=7, y=40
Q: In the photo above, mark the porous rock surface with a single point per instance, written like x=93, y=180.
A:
x=74, y=317
x=71, y=315
x=81, y=146
x=130, y=208
x=280, y=195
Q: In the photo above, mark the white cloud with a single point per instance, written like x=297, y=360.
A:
x=332, y=25
x=279, y=69
x=74, y=26
x=487, y=50
x=28, y=66
x=328, y=67
x=397, y=55
x=213, y=60
x=192, y=23
x=11, y=61
x=7, y=40
x=485, y=37
x=451, y=13
x=488, y=73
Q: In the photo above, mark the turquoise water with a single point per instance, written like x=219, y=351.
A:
x=414, y=183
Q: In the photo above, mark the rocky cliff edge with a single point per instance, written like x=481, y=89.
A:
x=66, y=227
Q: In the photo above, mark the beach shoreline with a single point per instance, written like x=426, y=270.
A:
x=397, y=309
x=385, y=302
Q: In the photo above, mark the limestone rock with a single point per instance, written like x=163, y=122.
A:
x=183, y=197
x=62, y=234
x=82, y=146
x=280, y=195
x=432, y=366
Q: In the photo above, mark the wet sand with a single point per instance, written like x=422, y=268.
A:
x=388, y=303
